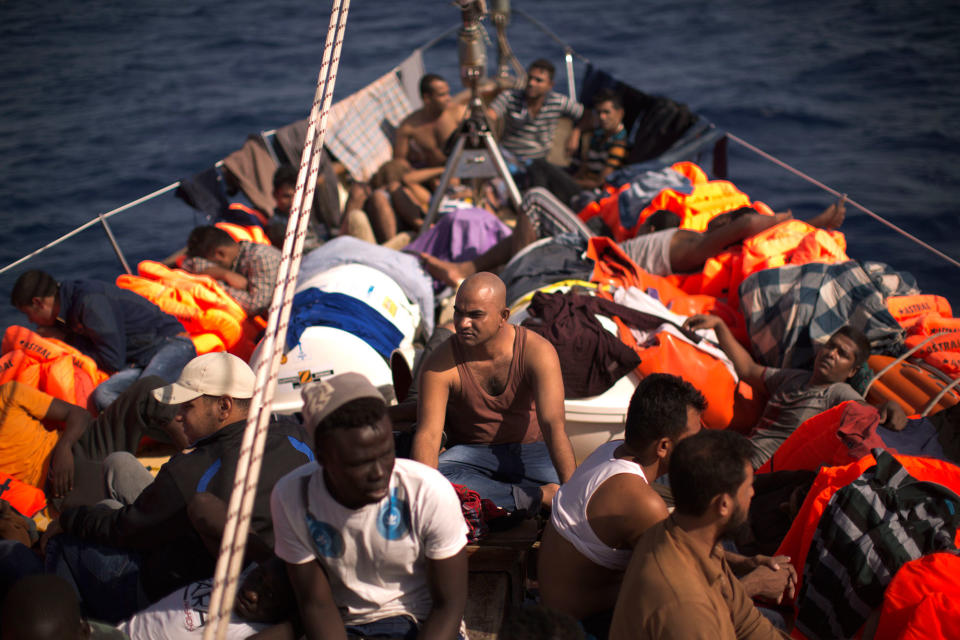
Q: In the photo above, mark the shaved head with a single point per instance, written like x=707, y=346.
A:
x=480, y=309
x=485, y=280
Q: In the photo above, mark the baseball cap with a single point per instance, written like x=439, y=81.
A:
x=213, y=374
x=323, y=397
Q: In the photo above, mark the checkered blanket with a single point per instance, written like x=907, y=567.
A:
x=792, y=309
x=361, y=128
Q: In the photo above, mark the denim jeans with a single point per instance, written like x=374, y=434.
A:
x=16, y=561
x=106, y=579
x=508, y=474
x=170, y=359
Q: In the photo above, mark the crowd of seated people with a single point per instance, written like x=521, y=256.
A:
x=350, y=540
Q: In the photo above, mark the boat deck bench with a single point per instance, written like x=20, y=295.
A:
x=498, y=567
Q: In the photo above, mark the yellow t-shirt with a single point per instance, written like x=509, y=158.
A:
x=25, y=444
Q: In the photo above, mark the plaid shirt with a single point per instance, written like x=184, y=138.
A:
x=258, y=263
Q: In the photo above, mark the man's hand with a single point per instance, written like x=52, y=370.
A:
x=892, y=416
x=702, y=321
x=771, y=579
x=61, y=470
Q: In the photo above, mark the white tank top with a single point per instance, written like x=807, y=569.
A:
x=569, y=516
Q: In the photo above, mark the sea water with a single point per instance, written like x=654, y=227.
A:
x=104, y=102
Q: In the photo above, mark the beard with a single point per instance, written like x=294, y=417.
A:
x=737, y=519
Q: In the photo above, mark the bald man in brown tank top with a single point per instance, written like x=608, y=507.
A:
x=496, y=389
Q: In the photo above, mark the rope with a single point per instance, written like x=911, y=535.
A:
x=894, y=363
x=229, y=563
x=90, y=223
x=937, y=398
x=836, y=193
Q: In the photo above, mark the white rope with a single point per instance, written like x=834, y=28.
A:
x=232, y=548
x=836, y=193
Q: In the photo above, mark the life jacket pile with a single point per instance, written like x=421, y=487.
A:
x=214, y=320
x=47, y=364
x=929, y=319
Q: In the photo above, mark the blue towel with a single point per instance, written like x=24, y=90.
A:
x=313, y=308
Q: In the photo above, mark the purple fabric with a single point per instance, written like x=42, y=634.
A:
x=460, y=235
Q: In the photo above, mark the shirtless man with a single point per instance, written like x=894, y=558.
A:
x=660, y=249
x=607, y=505
x=423, y=134
x=496, y=389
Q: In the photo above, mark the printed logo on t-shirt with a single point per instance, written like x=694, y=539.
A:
x=394, y=520
x=327, y=540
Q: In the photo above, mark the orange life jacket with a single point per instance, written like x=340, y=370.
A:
x=796, y=544
x=239, y=232
x=24, y=498
x=49, y=365
x=904, y=308
x=923, y=600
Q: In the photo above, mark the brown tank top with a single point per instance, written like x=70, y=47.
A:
x=476, y=417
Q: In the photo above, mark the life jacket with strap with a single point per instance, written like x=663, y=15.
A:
x=906, y=308
x=26, y=499
x=48, y=364
x=222, y=324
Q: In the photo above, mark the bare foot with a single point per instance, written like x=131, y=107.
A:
x=451, y=273
x=831, y=218
x=547, y=492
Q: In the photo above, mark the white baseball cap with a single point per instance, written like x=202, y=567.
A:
x=212, y=374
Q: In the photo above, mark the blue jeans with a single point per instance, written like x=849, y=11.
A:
x=508, y=474
x=16, y=561
x=106, y=579
x=170, y=359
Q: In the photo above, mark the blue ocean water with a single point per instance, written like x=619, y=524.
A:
x=103, y=102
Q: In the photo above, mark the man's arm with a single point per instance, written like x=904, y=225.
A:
x=157, y=516
x=226, y=276
x=447, y=581
x=318, y=611
x=432, y=406
x=76, y=420
x=401, y=146
x=544, y=367
x=101, y=326
x=746, y=367
x=623, y=508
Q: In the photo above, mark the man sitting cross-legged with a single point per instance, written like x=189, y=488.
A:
x=374, y=545
x=600, y=514
x=497, y=391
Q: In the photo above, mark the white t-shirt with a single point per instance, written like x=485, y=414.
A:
x=375, y=556
x=182, y=615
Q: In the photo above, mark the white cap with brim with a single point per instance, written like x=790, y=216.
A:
x=212, y=374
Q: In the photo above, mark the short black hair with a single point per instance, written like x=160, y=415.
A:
x=546, y=65
x=658, y=409
x=706, y=465
x=608, y=95
x=426, y=83
x=203, y=241
x=859, y=339
x=662, y=219
x=362, y=412
x=30, y=285
x=286, y=174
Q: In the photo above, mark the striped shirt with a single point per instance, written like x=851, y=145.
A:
x=258, y=263
x=526, y=137
x=606, y=151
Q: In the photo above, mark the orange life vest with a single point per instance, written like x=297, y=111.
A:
x=239, y=232
x=923, y=600
x=24, y=498
x=49, y=365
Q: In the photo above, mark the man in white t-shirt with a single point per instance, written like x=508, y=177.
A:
x=373, y=545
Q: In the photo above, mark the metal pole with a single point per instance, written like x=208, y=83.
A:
x=571, y=85
x=113, y=241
